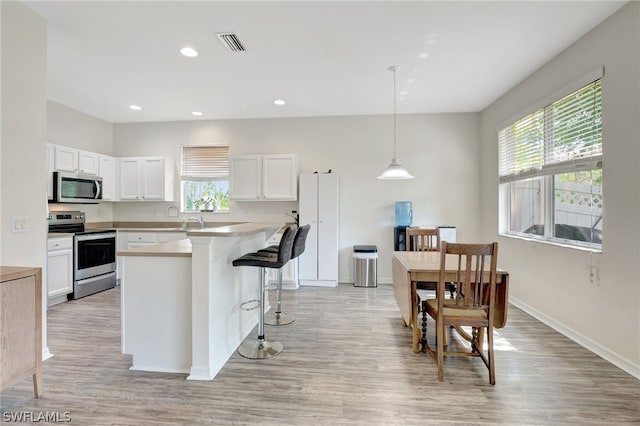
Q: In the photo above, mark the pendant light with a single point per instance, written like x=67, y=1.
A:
x=395, y=169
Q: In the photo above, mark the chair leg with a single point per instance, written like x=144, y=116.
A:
x=423, y=338
x=492, y=368
x=260, y=348
x=440, y=349
x=277, y=317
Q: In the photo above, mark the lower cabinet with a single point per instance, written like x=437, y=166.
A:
x=59, y=269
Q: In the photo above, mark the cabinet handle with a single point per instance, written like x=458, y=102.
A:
x=56, y=245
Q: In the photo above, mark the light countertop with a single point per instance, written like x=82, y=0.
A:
x=52, y=235
x=178, y=248
x=182, y=248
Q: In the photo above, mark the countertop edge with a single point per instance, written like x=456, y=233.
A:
x=237, y=230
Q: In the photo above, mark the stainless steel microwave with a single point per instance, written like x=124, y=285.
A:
x=73, y=188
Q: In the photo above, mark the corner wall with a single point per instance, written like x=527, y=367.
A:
x=23, y=186
x=553, y=283
x=24, y=132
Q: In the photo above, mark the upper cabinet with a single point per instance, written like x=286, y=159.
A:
x=66, y=159
x=146, y=179
x=107, y=169
x=88, y=163
x=272, y=177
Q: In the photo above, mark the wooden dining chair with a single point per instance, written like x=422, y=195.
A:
x=473, y=306
x=423, y=239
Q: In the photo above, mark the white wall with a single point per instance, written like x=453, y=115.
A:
x=24, y=127
x=550, y=282
x=441, y=150
x=69, y=127
x=23, y=190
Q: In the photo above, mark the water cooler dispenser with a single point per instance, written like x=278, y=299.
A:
x=404, y=219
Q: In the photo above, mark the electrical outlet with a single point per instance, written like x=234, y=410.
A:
x=594, y=274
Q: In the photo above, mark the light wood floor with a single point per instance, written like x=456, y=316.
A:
x=347, y=361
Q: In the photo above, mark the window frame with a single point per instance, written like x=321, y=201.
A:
x=184, y=178
x=546, y=172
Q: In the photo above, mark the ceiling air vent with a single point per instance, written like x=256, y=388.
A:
x=231, y=42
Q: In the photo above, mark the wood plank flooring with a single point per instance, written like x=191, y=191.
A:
x=347, y=361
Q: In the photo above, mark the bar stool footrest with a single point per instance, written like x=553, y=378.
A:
x=243, y=306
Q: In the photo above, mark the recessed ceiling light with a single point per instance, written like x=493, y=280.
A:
x=279, y=102
x=189, y=52
x=198, y=113
x=135, y=107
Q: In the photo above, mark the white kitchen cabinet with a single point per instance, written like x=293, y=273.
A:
x=88, y=163
x=128, y=239
x=65, y=159
x=107, y=171
x=72, y=160
x=272, y=177
x=146, y=179
x=245, y=177
x=318, y=265
x=59, y=269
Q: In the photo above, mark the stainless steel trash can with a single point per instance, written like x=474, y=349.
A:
x=365, y=266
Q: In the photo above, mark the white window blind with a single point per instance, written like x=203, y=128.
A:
x=204, y=163
x=564, y=136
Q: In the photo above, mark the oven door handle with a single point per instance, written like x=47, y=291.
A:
x=95, y=236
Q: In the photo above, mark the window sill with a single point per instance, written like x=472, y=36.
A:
x=554, y=243
x=206, y=213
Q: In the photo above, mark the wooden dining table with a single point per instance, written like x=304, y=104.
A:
x=411, y=267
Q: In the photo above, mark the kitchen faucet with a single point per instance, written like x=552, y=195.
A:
x=200, y=220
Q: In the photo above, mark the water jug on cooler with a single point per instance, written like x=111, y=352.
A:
x=404, y=215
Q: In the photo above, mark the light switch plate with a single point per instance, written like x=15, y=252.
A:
x=19, y=224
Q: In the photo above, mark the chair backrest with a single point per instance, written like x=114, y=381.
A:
x=299, y=241
x=423, y=239
x=286, y=244
x=475, y=268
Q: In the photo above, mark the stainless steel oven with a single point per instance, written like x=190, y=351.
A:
x=94, y=263
x=94, y=253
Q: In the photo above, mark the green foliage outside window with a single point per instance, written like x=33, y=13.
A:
x=217, y=191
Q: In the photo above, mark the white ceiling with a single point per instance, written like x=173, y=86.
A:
x=323, y=58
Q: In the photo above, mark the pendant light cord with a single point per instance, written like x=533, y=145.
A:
x=393, y=68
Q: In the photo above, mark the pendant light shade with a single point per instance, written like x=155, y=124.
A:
x=395, y=169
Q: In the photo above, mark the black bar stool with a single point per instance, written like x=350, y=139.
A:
x=261, y=348
x=276, y=317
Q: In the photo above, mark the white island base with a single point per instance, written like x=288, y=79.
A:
x=181, y=300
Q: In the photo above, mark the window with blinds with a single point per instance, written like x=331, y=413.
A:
x=550, y=169
x=205, y=178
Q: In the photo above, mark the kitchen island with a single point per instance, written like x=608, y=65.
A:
x=181, y=300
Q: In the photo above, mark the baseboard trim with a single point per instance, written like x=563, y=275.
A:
x=318, y=283
x=624, y=364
